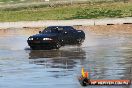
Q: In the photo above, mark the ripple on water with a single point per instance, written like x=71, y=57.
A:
x=104, y=56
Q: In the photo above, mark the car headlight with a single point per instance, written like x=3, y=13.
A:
x=30, y=38
x=47, y=39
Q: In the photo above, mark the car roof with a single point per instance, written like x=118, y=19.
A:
x=60, y=26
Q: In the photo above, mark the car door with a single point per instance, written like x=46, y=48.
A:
x=65, y=36
x=69, y=35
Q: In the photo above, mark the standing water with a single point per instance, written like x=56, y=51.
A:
x=105, y=56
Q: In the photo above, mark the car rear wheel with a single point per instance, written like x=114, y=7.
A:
x=80, y=41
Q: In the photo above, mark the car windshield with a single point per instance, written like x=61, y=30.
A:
x=52, y=30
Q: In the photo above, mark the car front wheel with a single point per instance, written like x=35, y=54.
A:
x=57, y=46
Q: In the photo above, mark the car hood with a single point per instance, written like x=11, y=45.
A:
x=43, y=35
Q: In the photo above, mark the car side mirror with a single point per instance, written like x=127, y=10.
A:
x=40, y=32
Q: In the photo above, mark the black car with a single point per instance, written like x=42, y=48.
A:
x=53, y=37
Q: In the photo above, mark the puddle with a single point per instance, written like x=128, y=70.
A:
x=104, y=56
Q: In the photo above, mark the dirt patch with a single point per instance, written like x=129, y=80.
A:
x=108, y=29
x=98, y=29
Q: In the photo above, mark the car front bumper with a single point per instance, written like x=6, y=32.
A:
x=41, y=45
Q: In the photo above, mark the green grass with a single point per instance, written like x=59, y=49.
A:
x=37, y=14
x=117, y=10
x=66, y=12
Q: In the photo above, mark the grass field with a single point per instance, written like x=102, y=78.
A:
x=66, y=12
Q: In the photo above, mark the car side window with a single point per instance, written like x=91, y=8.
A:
x=60, y=30
x=69, y=29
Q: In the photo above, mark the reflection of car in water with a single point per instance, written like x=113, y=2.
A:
x=54, y=37
x=77, y=53
x=57, y=58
